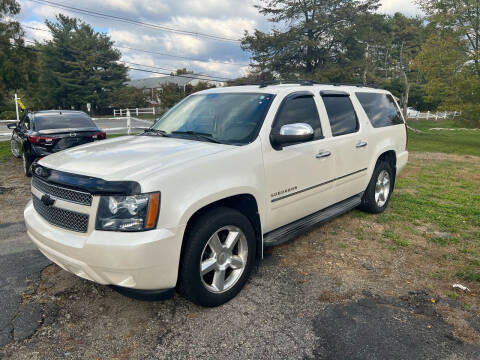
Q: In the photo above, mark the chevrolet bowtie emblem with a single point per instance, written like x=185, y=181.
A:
x=47, y=200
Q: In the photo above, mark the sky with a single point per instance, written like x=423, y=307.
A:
x=171, y=50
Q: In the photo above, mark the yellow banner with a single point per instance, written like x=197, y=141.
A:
x=19, y=102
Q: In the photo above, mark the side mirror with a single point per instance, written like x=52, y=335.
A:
x=12, y=126
x=290, y=134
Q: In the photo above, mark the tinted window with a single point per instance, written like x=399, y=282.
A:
x=64, y=121
x=380, y=109
x=228, y=117
x=300, y=110
x=342, y=116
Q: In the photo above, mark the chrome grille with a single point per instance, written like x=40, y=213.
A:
x=58, y=192
x=66, y=219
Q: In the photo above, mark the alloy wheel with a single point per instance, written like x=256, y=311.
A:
x=382, y=188
x=223, y=259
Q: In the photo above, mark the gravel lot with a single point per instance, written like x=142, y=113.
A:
x=330, y=294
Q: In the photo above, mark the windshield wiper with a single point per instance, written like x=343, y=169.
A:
x=156, y=132
x=199, y=135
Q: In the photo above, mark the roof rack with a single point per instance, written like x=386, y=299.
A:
x=303, y=82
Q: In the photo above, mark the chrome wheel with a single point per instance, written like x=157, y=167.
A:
x=223, y=259
x=382, y=188
x=13, y=148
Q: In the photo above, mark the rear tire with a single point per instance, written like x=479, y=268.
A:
x=213, y=272
x=27, y=165
x=377, y=196
x=14, y=148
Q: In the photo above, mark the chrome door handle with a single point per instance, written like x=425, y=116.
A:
x=361, y=144
x=323, y=154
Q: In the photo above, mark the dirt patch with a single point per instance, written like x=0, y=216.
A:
x=14, y=190
x=427, y=156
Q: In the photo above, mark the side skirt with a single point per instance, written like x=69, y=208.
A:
x=292, y=230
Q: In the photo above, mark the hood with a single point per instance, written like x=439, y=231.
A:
x=128, y=157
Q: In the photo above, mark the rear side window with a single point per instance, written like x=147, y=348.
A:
x=64, y=121
x=341, y=114
x=380, y=108
x=300, y=110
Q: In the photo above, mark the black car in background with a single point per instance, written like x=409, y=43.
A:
x=42, y=133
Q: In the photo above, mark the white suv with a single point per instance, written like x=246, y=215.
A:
x=191, y=203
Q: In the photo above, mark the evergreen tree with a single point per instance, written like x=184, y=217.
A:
x=78, y=66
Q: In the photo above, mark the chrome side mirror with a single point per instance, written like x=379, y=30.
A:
x=291, y=133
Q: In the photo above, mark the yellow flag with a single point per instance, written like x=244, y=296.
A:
x=19, y=102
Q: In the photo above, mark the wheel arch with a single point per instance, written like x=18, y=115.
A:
x=245, y=203
x=389, y=156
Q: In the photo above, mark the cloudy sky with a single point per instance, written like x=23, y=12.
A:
x=169, y=50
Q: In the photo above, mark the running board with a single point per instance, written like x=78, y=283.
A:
x=292, y=230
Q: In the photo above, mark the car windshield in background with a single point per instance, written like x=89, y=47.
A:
x=64, y=121
x=233, y=118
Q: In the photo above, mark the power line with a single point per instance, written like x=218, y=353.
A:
x=188, y=76
x=160, y=53
x=132, y=21
x=206, y=77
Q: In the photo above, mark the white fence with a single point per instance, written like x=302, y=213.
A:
x=135, y=111
x=433, y=116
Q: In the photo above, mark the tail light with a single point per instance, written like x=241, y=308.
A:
x=45, y=140
x=101, y=135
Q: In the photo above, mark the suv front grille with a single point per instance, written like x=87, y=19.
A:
x=66, y=219
x=58, y=192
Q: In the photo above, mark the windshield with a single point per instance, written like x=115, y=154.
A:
x=226, y=117
x=64, y=121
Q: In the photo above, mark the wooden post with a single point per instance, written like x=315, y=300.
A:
x=136, y=109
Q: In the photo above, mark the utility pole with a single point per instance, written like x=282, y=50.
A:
x=16, y=107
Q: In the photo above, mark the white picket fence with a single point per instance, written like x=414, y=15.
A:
x=433, y=116
x=135, y=111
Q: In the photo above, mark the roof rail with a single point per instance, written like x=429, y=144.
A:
x=303, y=82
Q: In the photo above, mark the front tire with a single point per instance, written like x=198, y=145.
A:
x=27, y=164
x=218, y=257
x=377, y=196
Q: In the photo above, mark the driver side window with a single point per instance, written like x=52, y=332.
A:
x=300, y=110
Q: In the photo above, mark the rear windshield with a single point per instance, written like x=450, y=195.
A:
x=380, y=109
x=64, y=121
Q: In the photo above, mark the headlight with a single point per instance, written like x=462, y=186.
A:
x=128, y=213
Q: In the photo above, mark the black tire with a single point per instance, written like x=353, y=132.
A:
x=27, y=164
x=368, y=200
x=190, y=282
x=13, y=145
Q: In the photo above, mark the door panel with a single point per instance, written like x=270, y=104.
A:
x=298, y=180
x=350, y=144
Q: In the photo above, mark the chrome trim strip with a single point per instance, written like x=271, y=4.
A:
x=315, y=186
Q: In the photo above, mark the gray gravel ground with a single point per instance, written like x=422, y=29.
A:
x=279, y=315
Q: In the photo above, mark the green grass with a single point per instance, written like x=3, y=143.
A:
x=4, y=149
x=446, y=194
x=462, y=142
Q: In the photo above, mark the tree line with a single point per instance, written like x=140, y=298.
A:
x=429, y=63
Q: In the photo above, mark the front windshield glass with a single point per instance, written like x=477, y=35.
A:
x=226, y=117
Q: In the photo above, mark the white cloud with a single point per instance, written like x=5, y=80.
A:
x=225, y=18
x=407, y=7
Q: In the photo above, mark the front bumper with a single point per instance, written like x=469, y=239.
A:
x=146, y=260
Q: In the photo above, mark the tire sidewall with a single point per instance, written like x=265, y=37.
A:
x=383, y=165
x=197, y=237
